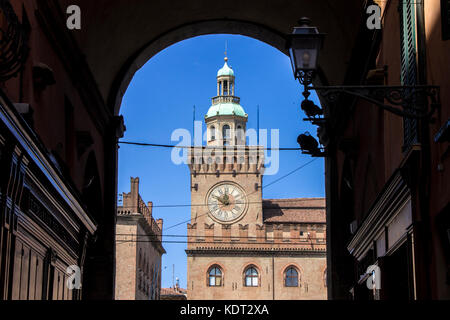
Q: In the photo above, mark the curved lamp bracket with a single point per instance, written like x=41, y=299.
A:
x=404, y=101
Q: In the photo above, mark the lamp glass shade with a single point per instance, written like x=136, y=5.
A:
x=305, y=44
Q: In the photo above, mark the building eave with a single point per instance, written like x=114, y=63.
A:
x=255, y=252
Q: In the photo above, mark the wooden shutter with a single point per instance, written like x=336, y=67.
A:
x=28, y=272
x=408, y=63
x=17, y=271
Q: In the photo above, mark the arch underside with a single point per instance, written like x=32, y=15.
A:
x=118, y=37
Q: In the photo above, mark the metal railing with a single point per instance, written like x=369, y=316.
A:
x=226, y=99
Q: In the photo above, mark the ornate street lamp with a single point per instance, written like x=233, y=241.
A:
x=304, y=44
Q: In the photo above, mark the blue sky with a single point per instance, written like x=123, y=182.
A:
x=160, y=99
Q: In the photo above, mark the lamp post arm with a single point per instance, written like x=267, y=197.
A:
x=403, y=96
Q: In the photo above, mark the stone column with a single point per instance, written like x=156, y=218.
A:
x=99, y=279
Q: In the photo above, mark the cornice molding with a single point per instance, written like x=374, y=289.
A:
x=31, y=147
x=139, y=219
x=255, y=252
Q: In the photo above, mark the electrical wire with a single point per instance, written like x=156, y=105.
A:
x=221, y=242
x=204, y=204
x=305, y=239
x=270, y=184
x=217, y=242
x=143, y=144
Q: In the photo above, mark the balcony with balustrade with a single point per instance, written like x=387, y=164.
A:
x=226, y=99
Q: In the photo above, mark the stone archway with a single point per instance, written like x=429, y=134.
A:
x=117, y=37
x=259, y=32
x=96, y=64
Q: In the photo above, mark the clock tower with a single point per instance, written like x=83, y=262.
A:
x=239, y=245
x=226, y=175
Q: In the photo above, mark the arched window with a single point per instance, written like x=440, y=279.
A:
x=251, y=277
x=239, y=134
x=213, y=133
x=291, y=277
x=215, y=277
x=226, y=133
x=140, y=269
x=225, y=88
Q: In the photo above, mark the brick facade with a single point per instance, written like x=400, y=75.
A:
x=276, y=247
x=138, y=249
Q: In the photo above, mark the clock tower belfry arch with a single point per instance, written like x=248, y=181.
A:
x=226, y=174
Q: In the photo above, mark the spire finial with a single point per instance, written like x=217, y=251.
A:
x=226, y=51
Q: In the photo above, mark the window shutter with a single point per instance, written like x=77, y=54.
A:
x=408, y=64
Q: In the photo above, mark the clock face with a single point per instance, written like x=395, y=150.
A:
x=226, y=202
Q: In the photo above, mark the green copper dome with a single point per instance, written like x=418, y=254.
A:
x=226, y=109
x=225, y=71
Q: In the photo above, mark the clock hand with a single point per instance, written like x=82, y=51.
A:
x=226, y=199
x=219, y=198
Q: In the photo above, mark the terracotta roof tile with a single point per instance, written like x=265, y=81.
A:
x=299, y=210
x=172, y=291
